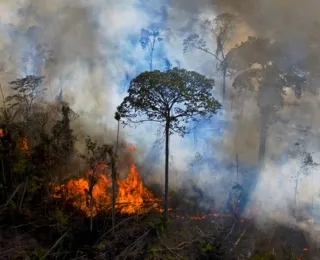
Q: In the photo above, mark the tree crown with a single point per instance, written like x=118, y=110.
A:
x=176, y=96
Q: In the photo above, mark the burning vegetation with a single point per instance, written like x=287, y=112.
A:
x=28, y=169
x=99, y=215
x=132, y=196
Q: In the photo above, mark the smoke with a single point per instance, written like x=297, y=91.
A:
x=293, y=25
x=90, y=51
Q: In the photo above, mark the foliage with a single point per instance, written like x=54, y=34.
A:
x=157, y=225
x=207, y=250
x=177, y=95
x=26, y=91
x=266, y=256
x=96, y=154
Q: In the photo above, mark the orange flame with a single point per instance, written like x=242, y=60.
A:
x=132, y=197
x=132, y=194
x=132, y=148
x=22, y=142
x=77, y=192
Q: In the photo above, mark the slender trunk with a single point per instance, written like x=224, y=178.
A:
x=151, y=57
x=237, y=161
x=3, y=174
x=91, y=211
x=151, y=52
x=114, y=188
x=4, y=188
x=224, y=82
x=24, y=192
x=166, y=181
x=296, y=193
x=263, y=140
x=113, y=172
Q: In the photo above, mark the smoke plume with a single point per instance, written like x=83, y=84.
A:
x=90, y=51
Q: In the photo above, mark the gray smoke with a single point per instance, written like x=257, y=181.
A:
x=89, y=48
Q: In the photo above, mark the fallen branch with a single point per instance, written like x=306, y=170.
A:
x=24, y=191
x=9, y=250
x=111, y=229
x=229, y=232
x=131, y=246
x=238, y=240
x=274, y=228
x=173, y=253
x=11, y=197
x=55, y=244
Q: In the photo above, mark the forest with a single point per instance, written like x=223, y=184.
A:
x=100, y=166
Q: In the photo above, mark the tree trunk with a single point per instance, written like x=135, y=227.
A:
x=114, y=175
x=91, y=211
x=113, y=172
x=151, y=58
x=224, y=82
x=166, y=181
x=151, y=53
x=296, y=193
x=262, y=144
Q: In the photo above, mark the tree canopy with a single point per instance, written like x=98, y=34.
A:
x=177, y=95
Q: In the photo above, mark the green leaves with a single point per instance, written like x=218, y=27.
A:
x=97, y=154
x=177, y=95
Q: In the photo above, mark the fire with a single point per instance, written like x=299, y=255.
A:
x=132, y=148
x=22, y=142
x=132, y=196
x=76, y=192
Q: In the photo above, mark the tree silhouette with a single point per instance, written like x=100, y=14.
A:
x=260, y=68
x=222, y=28
x=148, y=40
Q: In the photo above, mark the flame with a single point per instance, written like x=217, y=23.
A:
x=76, y=192
x=132, y=148
x=132, y=196
x=22, y=142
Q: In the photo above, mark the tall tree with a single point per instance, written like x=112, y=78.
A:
x=222, y=28
x=148, y=40
x=173, y=99
x=114, y=172
x=261, y=67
